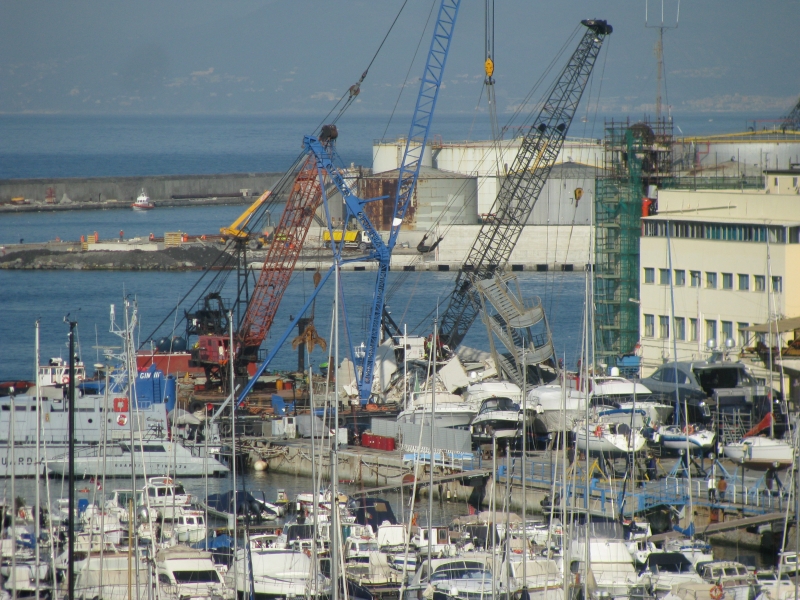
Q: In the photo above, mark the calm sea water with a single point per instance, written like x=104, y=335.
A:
x=36, y=146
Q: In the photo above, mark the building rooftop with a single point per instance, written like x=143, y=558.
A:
x=735, y=206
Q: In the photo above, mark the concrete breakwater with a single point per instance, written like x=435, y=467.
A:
x=120, y=192
x=69, y=257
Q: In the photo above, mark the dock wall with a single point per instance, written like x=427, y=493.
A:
x=124, y=190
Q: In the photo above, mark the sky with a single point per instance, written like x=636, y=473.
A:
x=282, y=57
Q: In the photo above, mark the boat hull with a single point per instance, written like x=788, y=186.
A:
x=761, y=453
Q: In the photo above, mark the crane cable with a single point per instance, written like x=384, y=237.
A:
x=255, y=224
x=400, y=280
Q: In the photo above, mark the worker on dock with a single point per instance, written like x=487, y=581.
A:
x=712, y=488
x=722, y=487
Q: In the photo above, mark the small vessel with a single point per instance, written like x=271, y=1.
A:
x=151, y=456
x=731, y=577
x=676, y=437
x=185, y=572
x=276, y=573
x=761, y=453
x=696, y=551
x=663, y=570
x=497, y=418
x=451, y=411
x=608, y=438
x=143, y=202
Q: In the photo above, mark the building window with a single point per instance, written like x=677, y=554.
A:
x=680, y=328
x=794, y=182
x=649, y=275
x=776, y=182
x=711, y=281
x=744, y=282
x=663, y=276
x=680, y=277
x=693, y=330
x=694, y=278
x=727, y=281
x=711, y=330
x=649, y=326
x=727, y=331
x=743, y=335
x=777, y=284
x=663, y=326
x=760, y=283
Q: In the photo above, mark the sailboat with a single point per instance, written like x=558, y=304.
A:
x=758, y=452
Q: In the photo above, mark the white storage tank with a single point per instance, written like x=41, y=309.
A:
x=440, y=196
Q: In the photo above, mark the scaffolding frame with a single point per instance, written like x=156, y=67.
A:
x=637, y=161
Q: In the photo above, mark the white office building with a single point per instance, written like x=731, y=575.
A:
x=715, y=262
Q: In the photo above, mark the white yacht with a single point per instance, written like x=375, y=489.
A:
x=149, y=456
x=498, y=418
x=277, y=573
x=451, y=411
x=185, y=572
x=555, y=413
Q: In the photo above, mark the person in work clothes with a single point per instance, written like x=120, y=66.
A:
x=722, y=487
x=712, y=488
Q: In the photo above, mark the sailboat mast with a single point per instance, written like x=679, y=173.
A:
x=434, y=349
x=231, y=356
x=71, y=494
x=335, y=449
x=37, y=525
x=525, y=473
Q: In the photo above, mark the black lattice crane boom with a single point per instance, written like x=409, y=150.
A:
x=524, y=181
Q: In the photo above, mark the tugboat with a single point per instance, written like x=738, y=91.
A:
x=143, y=202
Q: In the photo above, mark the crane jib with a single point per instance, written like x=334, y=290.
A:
x=520, y=190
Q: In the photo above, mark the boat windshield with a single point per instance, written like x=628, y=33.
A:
x=208, y=576
x=493, y=404
x=447, y=574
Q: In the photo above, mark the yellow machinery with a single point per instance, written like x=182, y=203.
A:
x=238, y=229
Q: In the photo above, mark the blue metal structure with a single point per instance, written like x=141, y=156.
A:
x=406, y=181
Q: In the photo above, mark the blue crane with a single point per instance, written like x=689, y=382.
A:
x=406, y=180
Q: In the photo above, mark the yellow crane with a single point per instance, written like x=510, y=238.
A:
x=238, y=229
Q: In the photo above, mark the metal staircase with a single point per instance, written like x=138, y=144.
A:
x=510, y=319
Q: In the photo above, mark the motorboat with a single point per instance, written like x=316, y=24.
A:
x=696, y=551
x=148, y=456
x=541, y=576
x=188, y=526
x=736, y=581
x=555, y=413
x=109, y=575
x=452, y=411
x=611, y=565
x=607, y=438
x=143, y=202
x=247, y=507
x=498, y=418
x=477, y=392
x=20, y=580
x=761, y=453
x=772, y=587
x=185, y=572
x=619, y=392
x=276, y=573
x=663, y=570
x=471, y=578
x=164, y=494
x=697, y=437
